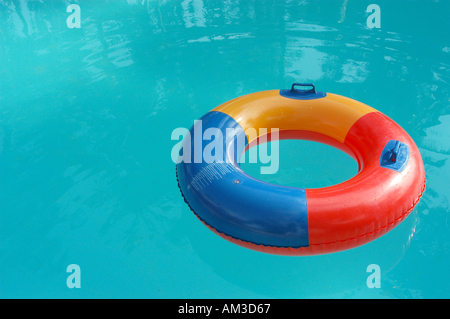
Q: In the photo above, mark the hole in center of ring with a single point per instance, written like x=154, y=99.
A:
x=301, y=163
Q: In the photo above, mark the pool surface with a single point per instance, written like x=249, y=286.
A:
x=87, y=113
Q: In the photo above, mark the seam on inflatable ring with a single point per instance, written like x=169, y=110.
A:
x=310, y=245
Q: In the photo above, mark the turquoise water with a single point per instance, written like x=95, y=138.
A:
x=86, y=117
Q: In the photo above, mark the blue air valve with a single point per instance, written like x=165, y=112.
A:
x=395, y=156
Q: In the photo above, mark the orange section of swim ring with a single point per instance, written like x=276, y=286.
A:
x=332, y=115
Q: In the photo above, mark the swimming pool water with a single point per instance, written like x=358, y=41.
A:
x=86, y=117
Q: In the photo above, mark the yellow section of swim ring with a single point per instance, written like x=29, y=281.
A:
x=332, y=115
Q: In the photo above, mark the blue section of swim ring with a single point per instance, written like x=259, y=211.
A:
x=234, y=203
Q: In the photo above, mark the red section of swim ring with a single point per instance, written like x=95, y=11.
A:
x=377, y=198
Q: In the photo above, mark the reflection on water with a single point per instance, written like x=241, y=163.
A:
x=86, y=116
x=306, y=50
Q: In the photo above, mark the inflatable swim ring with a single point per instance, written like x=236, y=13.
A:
x=295, y=221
